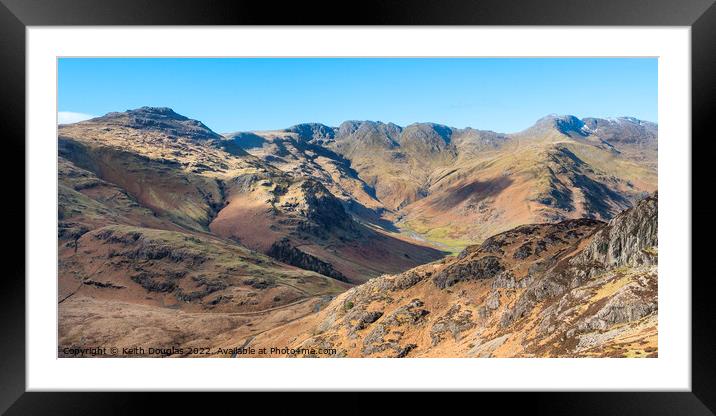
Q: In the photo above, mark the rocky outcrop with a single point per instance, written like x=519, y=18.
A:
x=367, y=319
x=386, y=334
x=626, y=306
x=568, y=125
x=628, y=240
x=454, y=322
x=155, y=283
x=162, y=119
x=483, y=268
x=494, y=258
x=426, y=139
x=313, y=132
x=102, y=285
x=285, y=252
x=368, y=133
x=324, y=211
x=139, y=247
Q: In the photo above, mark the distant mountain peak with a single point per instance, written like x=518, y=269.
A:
x=161, y=111
x=622, y=129
x=622, y=120
x=565, y=124
x=369, y=131
x=427, y=133
x=313, y=132
x=159, y=119
x=554, y=117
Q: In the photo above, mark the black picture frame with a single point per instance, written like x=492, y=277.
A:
x=699, y=15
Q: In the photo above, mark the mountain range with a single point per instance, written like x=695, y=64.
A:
x=254, y=236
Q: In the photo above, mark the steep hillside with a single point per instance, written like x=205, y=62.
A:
x=300, y=222
x=301, y=150
x=550, y=172
x=169, y=164
x=166, y=268
x=574, y=288
x=633, y=138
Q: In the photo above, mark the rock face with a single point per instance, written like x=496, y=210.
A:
x=283, y=251
x=324, y=210
x=426, y=138
x=569, y=125
x=410, y=314
x=623, y=130
x=630, y=238
x=584, y=288
x=512, y=254
x=313, y=132
x=483, y=268
x=162, y=119
x=368, y=134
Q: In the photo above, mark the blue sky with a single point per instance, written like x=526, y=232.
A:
x=232, y=94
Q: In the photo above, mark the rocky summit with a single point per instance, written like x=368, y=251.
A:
x=368, y=238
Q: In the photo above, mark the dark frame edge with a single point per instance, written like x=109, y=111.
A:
x=367, y=12
x=703, y=97
x=701, y=401
x=12, y=120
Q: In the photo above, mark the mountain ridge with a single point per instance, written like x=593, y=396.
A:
x=355, y=123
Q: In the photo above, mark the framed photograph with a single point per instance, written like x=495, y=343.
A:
x=461, y=197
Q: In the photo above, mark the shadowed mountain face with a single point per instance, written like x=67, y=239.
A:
x=632, y=138
x=159, y=215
